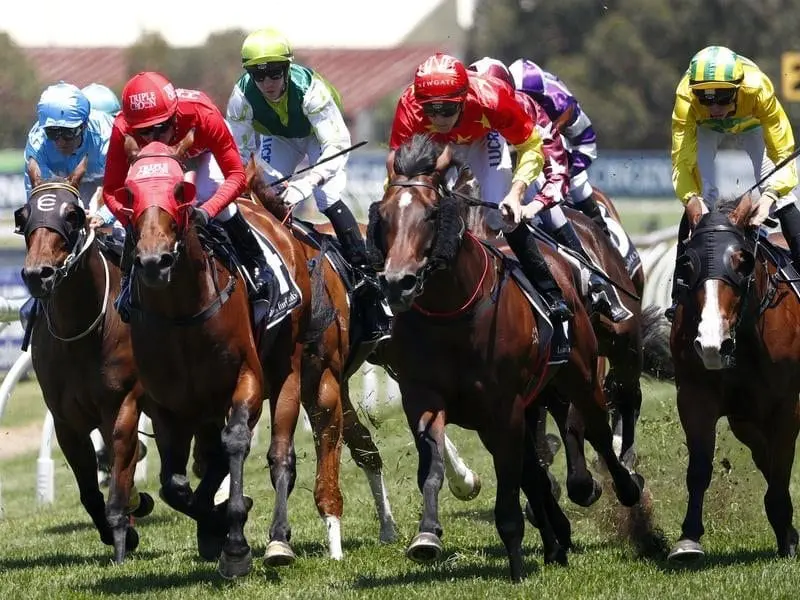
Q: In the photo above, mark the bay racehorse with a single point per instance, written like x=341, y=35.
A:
x=737, y=354
x=465, y=347
x=214, y=368
x=81, y=351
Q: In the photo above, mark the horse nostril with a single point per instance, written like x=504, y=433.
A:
x=727, y=347
x=408, y=283
x=166, y=261
x=47, y=272
x=698, y=347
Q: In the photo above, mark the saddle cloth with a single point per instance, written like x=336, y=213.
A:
x=622, y=242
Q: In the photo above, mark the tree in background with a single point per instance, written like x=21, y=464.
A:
x=19, y=93
x=623, y=58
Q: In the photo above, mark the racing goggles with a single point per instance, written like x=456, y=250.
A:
x=272, y=72
x=720, y=97
x=155, y=130
x=441, y=109
x=68, y=134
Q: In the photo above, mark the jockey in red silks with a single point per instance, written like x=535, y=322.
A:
x=544, y=197
x=478, y=115
x=153, y=110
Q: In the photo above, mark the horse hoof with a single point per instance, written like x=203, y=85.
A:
x=388, y=533
x=629, y=459
x=279, y=554
x=558, y=557
x=146, y=505
x=466, y=492
x=586, y=501
x=686, y=551
x=131, y=540
x=424, y=548
x=231, y=567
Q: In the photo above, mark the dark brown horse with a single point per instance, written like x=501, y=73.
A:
x=81, y=351
x=192, y=327
x=737, y=352
x=465, y=347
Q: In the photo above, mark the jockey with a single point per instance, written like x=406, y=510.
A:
x=550, y=188
x=284, y=112
x=101, y=99
x=153, y=110
x=551, y=94
x=471, y=112
x=724, y=94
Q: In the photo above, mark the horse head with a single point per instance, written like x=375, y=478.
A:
x=160, y=204
x=416, y=228
x=715, y=276
x=53, y=223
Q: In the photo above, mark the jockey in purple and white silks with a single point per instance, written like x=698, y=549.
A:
x=580, y=140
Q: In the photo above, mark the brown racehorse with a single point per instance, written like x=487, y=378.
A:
x=465, y=349
x=736, y=351
x=602, y=200
x=212, y=370
x=81, y=351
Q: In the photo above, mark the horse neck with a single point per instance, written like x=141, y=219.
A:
x=78, y=300
x=450, y=289
x=191, y=286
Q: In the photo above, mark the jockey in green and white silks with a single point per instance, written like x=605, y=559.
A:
x=283, y=112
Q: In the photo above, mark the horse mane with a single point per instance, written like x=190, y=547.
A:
x=417, y=156
x=727, y=204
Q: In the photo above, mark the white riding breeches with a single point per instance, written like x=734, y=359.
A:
x=207, y=179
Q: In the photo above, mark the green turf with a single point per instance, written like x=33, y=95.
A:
x=54, y=553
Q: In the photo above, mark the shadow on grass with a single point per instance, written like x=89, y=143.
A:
x=67, y=560
x=722, y=559
x=442, y=571
x=73, y=526
x=134, y=583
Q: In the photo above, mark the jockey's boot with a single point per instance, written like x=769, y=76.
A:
x=523, y=243
x=590, y=208
x=123, y=301
x=602, y=296
x=683, y=233
x=375, y=322
x=252, y=257
x=789, y=217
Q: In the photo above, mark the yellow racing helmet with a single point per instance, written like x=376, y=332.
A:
x=715, y=67
x=266, y=46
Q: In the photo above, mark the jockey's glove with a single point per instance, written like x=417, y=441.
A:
x=199, y=217
x=760, y=211
x=297, y=191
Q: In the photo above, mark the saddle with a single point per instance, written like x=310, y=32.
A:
x=782, y=259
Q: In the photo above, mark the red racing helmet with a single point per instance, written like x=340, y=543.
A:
x=148, y=99
x=441, y=78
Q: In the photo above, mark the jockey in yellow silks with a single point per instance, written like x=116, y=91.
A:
x=723, y=94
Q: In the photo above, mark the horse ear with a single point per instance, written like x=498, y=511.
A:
x=77, y=174
x=390, y=164
x=741, y=214
x=251, y=171
x=131, y=148
x=181, y=148
x=444, y=160
x=184, y=192
x=124, y=196
x=34, y=172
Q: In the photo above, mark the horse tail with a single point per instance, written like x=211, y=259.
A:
x=655, y=344
x=323, y=312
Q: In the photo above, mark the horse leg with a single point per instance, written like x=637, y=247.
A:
x=427, y=426
x=553, y=525
x=236, y=559
x=281, y=457
x=326, y=419
x=624, y=394
x=365, y=454
x=582, y=488
x=463, y=482
x=773, y=453
x=211, y=461
x=507, y=447
x=173, y=439
x=122, y=494
x=79, y=452
x=699, y=414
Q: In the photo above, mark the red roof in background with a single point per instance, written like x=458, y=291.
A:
x=363, y=76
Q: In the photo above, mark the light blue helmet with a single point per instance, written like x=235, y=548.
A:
x=102, y=98
x=63, y=105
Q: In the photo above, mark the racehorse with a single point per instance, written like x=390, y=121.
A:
x=465, y=347
x=191, y=325
x=81, y=351
x=616, y=230
x=736, y=350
